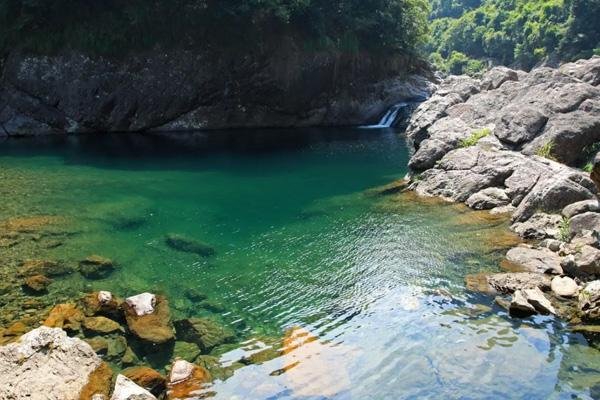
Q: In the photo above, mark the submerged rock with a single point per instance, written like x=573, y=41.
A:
x=99, y=384
x=96, y=267
x=43, y=267
x=101, y=303
x=189, y=245
x=126, y=389
x=46, y=364
x=101, y=325
x=205, y=332
x=507, y=283
x=37, y=283
x=152, y=326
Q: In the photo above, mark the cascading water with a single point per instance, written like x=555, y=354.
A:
x=389, y=118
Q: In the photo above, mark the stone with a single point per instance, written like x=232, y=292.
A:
x=487, y=199
x=589, y=221
x=37, y=283
x=43, y=267
x=595, y=174
x=147, y=378
x=155, y=327
x=126, y=389
x=45, y=364
x=96, y=267
x=186, y=351
x=585, y=70
x=65, y=316
x=117, y=346
x=194, y=295
x=129, y=358
x=510, y=282
x=101, y=325
x=581, y=207
x=536, y=298
x=99, y=344
x=99, y=383
x=588, y=261
x=205, y=332
x=589, y=301
x=539, y=226
x=142, y=304
x=535, y=260
x=564, y=287
x=519, y=124
x=101, y=303
x=186, y=380
x=495, y=77
x=189, y=245
x=551, y=244
x=520, y=307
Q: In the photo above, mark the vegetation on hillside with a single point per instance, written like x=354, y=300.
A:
x=469, y=34
x=116, y=26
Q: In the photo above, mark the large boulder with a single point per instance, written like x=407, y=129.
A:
x=586, y=222
x=96, y=267
x=528, y=302
x=45, y=364
x=539, y=226
x=564, y=286
x=535, y=260
x=585, y=70
x=488, y=198
x=581, y=207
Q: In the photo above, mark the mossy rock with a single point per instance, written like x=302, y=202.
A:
x=186, y=351
x=194, y=295
x=146, y=377
x=215, y=368
x=101, y=325
x=99, y=382
x=37, y=284
x=154, y=328
x=96, y=267
x=65, y=316
x=205, y=332
x=189, y=245
x=43, y=267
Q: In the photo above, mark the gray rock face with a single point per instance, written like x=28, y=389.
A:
x=177, y=90
x=540, y=261
x=585, y=70
x=520, y=307
x=539, y=226
x=46, y=364
x=589, y=221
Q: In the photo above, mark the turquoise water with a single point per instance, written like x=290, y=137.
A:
x=370, y=286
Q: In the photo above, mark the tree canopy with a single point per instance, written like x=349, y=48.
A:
x=110, y=26
x=468, y=34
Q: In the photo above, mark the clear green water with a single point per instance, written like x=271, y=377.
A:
x=301, y=243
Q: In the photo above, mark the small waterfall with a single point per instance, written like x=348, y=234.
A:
x=390, y=116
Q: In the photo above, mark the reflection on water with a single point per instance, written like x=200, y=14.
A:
x=334, y=292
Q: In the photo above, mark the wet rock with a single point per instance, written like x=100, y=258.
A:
x=589, y=221
x=539, y=226
x=142, y=304
x=488, y=198
x=37, y=284
x=43, y=267
x=194, y=295
x=581, y=207
x=46, y=361
x=564, y=287
x=147, y=378
x=99, y=383
x=65, y=316
x=129, y=358
x=215, y=368
x=205, y=332
x=101, y=303
x=189, y=245
x=535, y=260
x=126, y=389
x=99, y=344
x=154, y=327
x=511, y=282
x=186, y=380
x=14, y=331
x=589, y=301
x=101, y=325
x=31, y=224
x=96, y=267
x=186, y=351
x=520, y=307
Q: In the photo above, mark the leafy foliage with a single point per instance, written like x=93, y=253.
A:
x=521, y=32
x=111, y=26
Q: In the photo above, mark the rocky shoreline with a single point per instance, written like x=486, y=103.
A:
x=523, y=144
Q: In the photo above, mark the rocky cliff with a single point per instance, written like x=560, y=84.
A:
x=210, y=89
x=514, y=143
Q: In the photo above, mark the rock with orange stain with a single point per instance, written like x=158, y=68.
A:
x=37, y=283
x=101, y=303
x=65, y=316
x=99, y=383
x=146, y=378
x=155, y=327
x=14, y=331
x=186, y=380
